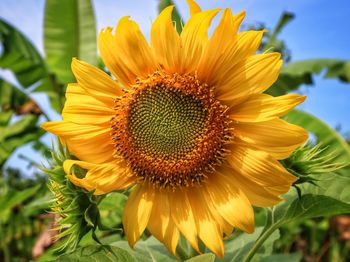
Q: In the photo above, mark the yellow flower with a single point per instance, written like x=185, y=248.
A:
x=185, y=124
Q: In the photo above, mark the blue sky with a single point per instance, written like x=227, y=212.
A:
x=320, y=30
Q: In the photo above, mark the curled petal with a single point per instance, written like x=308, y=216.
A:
x=100, y=178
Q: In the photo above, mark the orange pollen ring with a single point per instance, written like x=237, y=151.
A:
x=171, y=130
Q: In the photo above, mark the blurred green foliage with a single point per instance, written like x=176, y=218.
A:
x=70, y=31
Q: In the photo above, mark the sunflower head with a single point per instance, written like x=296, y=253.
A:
x=171, y=130
x=186, y=125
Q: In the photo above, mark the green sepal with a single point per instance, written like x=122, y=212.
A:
x=77, y=209
x=308, y=162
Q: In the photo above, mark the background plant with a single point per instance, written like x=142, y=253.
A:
x=300, y=227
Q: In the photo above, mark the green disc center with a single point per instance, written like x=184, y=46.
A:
x=166, y=123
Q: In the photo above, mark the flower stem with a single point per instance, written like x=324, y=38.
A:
x=265, y=235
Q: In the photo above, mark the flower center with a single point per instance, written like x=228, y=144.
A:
x=165, y=123
x=171, y=130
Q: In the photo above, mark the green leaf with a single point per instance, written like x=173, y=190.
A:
x=147, y=251
x=20, y=56
x=294, y=257
x=111, y=208
x=288, y=82
x=17, y=134
x=11, y=98
x=14, y=198
x=297, y=73
x=202, y=258
x=69, y=31
x=39, y=203
x=162, y=4
x=98, y=253
x=334, y=68
x=308, y=206
x=237, y=247
x=296, y=209
x=5, y=118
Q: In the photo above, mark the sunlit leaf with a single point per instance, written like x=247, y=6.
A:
x=148, y=251
x=202, y=258
x=69, y=31
x=237, y=247
x=17, y=134
x=334, y=68
x=301, y=72
x=97, y=253
x=39, y=203
x=294, y=257
x=11, y=98
x=111, y=208
x=308, y=206
x=13, y=198
x=5, y=118
x=20, y=56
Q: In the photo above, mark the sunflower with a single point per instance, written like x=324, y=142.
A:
x=185, y=125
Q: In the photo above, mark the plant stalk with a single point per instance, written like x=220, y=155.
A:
x=265, y=235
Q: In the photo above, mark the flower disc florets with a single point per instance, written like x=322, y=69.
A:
x=171, y=129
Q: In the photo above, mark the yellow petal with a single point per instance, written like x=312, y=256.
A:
x=245, y=45
x=160, y=223
x=276, y=137
x=262, y=107
x=194, y=7
x=230, y=202
x=165, y=41
x=137, y=212
x=182, y=215
x=127, y=53
x=194, y=37
x=109, y=52
x=96, y=82
x=103, y=178
x=237, y=50
x=248, y=43
x=259, y=167
x=87, y=142
x=224, y=226
x=133, y=48
x=224, y=37
x=238, y=19
x=160, y=215
x=257, y=194
x=207, y=227
x=251, y=76
x=82, y=108
x=171, y=237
